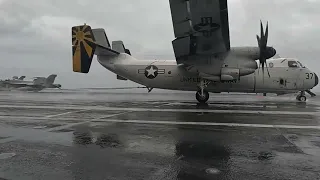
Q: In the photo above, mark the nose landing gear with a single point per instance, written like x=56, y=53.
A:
x=202, y=95
x=301, y=96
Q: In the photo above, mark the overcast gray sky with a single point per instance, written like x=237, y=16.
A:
x=36, y=34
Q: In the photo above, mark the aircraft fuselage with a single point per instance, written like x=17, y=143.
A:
x=166, y=74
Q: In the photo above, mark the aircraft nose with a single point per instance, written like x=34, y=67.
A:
x=316, y=79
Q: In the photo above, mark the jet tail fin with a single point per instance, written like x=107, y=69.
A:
x=50, y=79
x=22, y=77
x=85, y=43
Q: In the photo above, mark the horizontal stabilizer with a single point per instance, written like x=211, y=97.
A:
x=103, y=51
x=121, y=78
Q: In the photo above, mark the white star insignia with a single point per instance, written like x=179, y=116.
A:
x=151, y=71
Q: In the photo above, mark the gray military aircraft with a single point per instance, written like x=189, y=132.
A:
x=204, y=62
x=37, y=84
x=18, y=78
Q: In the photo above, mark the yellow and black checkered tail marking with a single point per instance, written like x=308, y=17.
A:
x=83, y=47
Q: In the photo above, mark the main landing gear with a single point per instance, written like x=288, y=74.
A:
x=202, y=95
x=301, y=96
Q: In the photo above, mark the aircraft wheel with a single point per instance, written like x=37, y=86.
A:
x=301, y=98
x=204, y=98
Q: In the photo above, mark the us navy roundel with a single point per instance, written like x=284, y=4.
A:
x=151, y=71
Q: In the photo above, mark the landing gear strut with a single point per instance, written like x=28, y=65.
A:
x=301, y=96
x=202, y=95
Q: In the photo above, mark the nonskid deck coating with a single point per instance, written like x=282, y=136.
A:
x=249, y=137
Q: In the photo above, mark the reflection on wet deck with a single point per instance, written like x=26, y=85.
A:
x=158, y=139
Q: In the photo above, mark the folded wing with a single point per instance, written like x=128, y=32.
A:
x=201, y=27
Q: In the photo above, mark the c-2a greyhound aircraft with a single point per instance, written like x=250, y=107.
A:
x=204, y=62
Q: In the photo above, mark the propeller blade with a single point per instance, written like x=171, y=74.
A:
x=267, y=69
x=258, y=39
x=266, y=34
x=265, y=51
x=262, y=66
x=262, y=36
x=261, y=29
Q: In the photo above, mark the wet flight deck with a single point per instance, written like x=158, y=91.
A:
x=95, y=135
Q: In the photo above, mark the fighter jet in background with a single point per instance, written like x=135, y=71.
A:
x=37, y=84
x=18, y=78
x=204, y=61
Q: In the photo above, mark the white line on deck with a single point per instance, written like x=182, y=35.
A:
x=61, y=114
x=211, y=124
x=83, y=122
x=23, y=135
x=158, y=109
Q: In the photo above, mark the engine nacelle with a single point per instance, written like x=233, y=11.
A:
x=228, y=74
x=246, y=71
x=235, y=73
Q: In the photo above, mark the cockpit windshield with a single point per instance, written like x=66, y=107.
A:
x=293, y=64
x=301, y=64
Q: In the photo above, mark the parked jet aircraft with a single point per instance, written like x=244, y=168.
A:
x=18, y=78
x=37, y=84
x=205, y=62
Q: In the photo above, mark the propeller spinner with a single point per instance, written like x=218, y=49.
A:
x=266, y=52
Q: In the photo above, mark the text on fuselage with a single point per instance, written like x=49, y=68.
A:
x=197, y=80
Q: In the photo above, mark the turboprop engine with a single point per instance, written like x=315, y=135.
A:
x=241, y=61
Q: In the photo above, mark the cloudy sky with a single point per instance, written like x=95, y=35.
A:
x=36, y=34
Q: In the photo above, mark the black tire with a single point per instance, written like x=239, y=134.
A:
x=204, y=98
x=302, y=98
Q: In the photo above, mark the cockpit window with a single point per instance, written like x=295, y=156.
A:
x=293, y=64
x=301, y=64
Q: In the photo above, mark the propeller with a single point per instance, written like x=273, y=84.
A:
x=266, y=52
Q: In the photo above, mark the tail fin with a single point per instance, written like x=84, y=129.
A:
x=41, y=81
x=101, y=37
x=83, y=48
x=85, y=43
x=22, y=77
x=119, y=46
x=50, y=79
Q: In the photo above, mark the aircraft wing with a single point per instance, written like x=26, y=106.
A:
x=201, y=27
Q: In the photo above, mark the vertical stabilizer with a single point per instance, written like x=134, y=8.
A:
x=50, y=79
x=22, y=77
x=83, y=48
x=101, y=38
x=119, y=46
